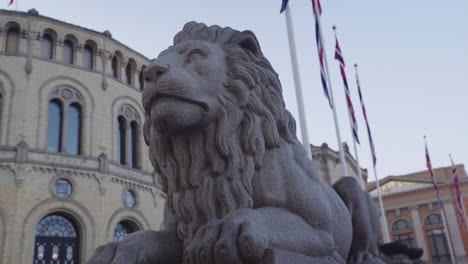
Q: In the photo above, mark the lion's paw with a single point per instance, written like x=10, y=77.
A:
x=227, y=241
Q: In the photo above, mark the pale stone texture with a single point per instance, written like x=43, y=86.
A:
x=27, y=173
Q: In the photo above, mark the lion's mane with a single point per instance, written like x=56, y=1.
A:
x=208, y=184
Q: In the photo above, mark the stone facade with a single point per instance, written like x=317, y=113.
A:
x=410, y=202
x=106, y=87
x=329, y=164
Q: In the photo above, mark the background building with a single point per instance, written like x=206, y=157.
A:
x=330, y=166
x=74, y=170
x=413, y=214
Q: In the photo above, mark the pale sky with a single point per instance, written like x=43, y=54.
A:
x=412, y=56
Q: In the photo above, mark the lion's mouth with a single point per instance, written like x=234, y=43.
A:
x=159, y=96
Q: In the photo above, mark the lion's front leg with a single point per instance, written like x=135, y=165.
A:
x=243, y=236
x=233, y=239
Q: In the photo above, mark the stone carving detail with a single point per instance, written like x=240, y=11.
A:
x=240, y=187
x=67, y=95
x=129, y=113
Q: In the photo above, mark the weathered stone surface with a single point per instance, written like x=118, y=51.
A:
x=240, y=187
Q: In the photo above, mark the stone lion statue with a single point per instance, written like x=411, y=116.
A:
x=240, y=187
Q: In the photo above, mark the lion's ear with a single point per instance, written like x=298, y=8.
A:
x=248, y=41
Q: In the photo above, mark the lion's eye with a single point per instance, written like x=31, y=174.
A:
x=195, y=55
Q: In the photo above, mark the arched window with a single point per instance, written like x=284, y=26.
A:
x=437, y=238
x=116, y=64
x=401, y=230
x=47, y=46
x=128, y=123
x=12, y=40
x=123, y=229
x=68, y=51
x=433, y=219
x=64, y=121
x=54, y=126
x=88, y=57
x=128, y=74
x=121, y=139
x=400, y=224
x=73, y=129
x=141, y=78
x=57, y=240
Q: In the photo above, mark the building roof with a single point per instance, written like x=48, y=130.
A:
x=106, y=33
x=443, y=175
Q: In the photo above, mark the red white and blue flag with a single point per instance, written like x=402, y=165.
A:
x=364, y=113
x=317, y=9
x=433, y=178
x=339, y=57
x=457, y=188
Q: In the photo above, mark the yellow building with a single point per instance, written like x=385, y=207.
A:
x=74, y=169
x=414, y=216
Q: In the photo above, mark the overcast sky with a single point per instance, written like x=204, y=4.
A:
x=412, y=56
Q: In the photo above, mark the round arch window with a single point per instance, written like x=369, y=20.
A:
x=123, y=229
x=57, y=240
x=129, y=198
x=62, y=188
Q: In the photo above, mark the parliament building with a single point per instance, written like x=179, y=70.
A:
x=74, y=169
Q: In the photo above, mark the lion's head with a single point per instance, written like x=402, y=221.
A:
x=213, y=107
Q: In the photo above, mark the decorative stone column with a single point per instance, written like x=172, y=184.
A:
x=457, y=241
x=418, y=230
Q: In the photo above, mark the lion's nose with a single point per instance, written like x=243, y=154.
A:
x=154, y=71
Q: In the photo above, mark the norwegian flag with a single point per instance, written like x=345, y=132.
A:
x=431, y=171
x=317, y=9
x=457, y=188
x=339, y=57
x=364, y=113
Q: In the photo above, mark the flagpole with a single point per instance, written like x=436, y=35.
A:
x=386, y=233
x=441, y=205
x=461, y=195
x=350, y=113
x=335, y=118
x=297, y=82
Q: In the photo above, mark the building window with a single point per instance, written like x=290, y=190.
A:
x=116, y=64
x=88, y=57
x=130, y=72
x=64, y=121
x=47, y=46
x=54, y=126
x=56, y=241
x=129, y=199
x=141, y=78
x=128, y=130
x=433, y=219
x=62, y=188
x=398, y=228
x=407, y=238
x=73, y=129
x=133, y=143
x=12, y=40
x=68, y=51
x=123, y=229
x=439, y=247
x=400, y=224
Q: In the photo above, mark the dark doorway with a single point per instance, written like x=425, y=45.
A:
x=57, y=241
